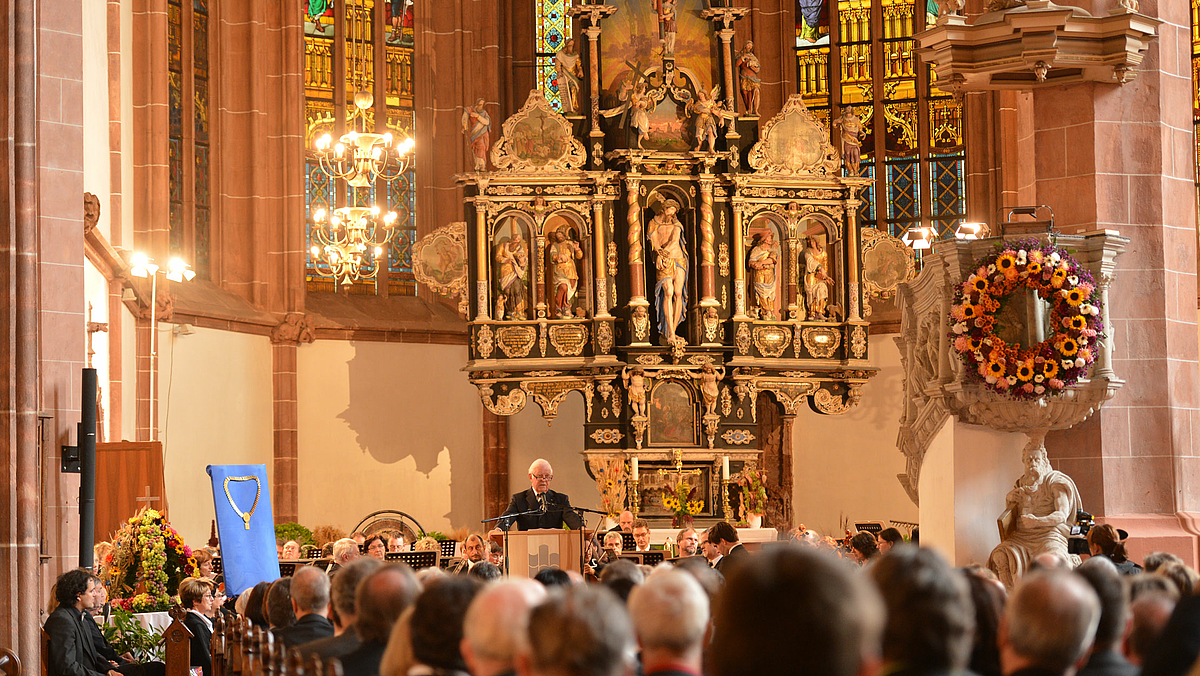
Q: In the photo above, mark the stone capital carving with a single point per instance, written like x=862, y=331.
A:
x=294, y=329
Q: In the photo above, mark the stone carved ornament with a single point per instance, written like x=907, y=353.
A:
x=537, y=139
x=886, y=262
x=295, y=328
x=795, y=143
x=440, y=262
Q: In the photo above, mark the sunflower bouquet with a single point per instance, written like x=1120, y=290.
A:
x=148, y=561
x=682, y=502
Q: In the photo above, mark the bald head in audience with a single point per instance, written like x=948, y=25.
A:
x=791, y=610
x=310, y=592
x=1049, y=623
x=1149, y=614
x=670, y=617
x=580, y=630
x=495, y=624
x=380, y=599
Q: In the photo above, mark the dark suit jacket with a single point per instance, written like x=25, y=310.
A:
x=1108, y=663
x=306, y=630
x=201, y=638
x=72, y=652
x=365, y=660
x=332, y=646
x=557, y=511
x=101, y=644
x=733, y=558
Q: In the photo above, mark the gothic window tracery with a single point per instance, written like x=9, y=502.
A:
x=861, y=54
x=189, y=201
x=383, y=36
x=552, y=29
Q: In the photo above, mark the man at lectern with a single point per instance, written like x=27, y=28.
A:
x=539, y=506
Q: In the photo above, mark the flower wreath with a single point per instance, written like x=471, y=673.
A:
x=148, y=562
x=1053, y=364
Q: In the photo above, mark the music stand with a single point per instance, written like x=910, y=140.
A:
x=287, y=569
x=218, y=568
x=448, y=548
x=652, y=557
x=630, y=556
x=416, y=560
x=627, y=541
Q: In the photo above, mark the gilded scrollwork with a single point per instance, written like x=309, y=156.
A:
x=795, y=143
x=821, y=341
x=504, y=404
x=831, y=404
x=538, y=139
x=742, y=338
x=550, y=393
x=772, y=341
x=604, y=337
x=858, y=341
x=483, y=342
x=515, y=341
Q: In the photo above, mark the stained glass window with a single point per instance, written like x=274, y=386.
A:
x=189, y=203
x=384, y=67
x=860, y=54
x=552, y=30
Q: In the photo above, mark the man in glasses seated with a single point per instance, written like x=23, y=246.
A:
x=539, y=506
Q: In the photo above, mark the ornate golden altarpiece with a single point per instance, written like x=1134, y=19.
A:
x=576, y=263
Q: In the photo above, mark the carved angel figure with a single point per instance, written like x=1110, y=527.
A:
x=636, y=109
x=637, y=386
x=707, y=115
x=709, y=377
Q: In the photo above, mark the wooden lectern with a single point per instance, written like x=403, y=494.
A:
x=532, y=550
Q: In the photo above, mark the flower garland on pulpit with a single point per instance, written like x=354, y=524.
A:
x=682, y=503
x=148, y=561
x=753, y=485
x=1056, y=363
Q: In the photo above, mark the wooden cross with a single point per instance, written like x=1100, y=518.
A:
x=148, y=498
x=93, y=327
x=679, y=471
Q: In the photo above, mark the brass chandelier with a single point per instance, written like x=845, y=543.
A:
x=351, y=240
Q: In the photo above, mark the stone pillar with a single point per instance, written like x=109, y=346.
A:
x=495, y=464
x=1123, y=157
x=285, y=501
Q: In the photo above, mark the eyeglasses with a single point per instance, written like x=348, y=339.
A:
x=543, y=477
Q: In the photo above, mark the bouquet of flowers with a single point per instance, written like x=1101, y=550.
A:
x=148, y=561
x=610, y=473
x=682, y=502
x=753, y=485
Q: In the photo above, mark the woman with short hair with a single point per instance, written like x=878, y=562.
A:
x=196, y=596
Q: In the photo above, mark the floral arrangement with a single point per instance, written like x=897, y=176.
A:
x=1051, y=366
x=753, y=485
x=147, y=563
x=610, y=476
x=682, y=502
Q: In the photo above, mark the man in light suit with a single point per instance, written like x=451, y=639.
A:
x=553, y=509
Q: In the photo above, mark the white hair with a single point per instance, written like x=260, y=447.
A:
x=342, y=548
x=538, y=463
x=669, y=611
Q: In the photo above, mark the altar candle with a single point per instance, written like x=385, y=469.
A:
x=633, y=469
x=725, y=468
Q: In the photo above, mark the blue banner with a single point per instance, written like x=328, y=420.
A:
x=245, y=525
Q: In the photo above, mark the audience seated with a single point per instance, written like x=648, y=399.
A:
x=863, y=547
x=670, y=618
x=278, y=607
x=436, y=626
x=1149, y=615
x=496, y=624
x=725, y=538
x=72, y=651
x=484, y=571
x=343, y=589
x=344, y=551
x=1154, y=560
x=1178, y=644
x=195, y=595
x=1048, y=624
x=376, y=546
x=380, y=599
x=710, y=580
x=1183, y=577
x=256, y=605
x=553, y=577
x=310, y=604
x=1104, y=540
x=1152, y=583
x=621, y=577
x=580, y=630
x=888, y=538
x=987, y=597
x=1106, y=658
x=795, y=610
x=930, y=621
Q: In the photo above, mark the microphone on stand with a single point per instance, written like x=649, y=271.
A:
x=542, y=502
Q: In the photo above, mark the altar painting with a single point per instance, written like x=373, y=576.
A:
x=652, y=486
x=631, y=37
x=672, y=415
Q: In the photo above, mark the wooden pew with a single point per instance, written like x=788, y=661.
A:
x=178, y=640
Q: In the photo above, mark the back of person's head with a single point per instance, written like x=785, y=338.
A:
x=710, y=580
x=792, y=610
x=485, y=571
x=930, y=620
x=1051, y=619
x=1110, y=588
x=344, y=586
x=381, y=597
x=344, y=550
x=1184, y=577
x=256, y=610
x=191, y=590
x=1150, y=584
x=495, y=623
x=865, y=544
x=1155, y=560
x=278, y=608
x=622, y=569
x=1178, y=646
x=437, y=622
x=580, y=630
x=553, y=577
x=722, y=531
x=1106, y=537
x=1149, y=613
x=669, y=612
x=987, y=597
x=891, y=536
x=70, y=585
x=310, y=589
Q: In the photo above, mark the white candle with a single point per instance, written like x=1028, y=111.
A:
x=725, y=468
x=633, y=469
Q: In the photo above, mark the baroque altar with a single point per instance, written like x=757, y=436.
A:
x=654, y=248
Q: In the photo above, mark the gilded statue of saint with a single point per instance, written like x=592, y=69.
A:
x=748, y=68
x=763, y=259
x=709, y=377
x=817, y=281
x=477, y=125
x=852, y=135
x=671, y=267
x=569, y=71
x=564, y=275
x=512, y=277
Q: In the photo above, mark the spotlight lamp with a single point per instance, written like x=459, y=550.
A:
x=971, y=231
x=918, y=237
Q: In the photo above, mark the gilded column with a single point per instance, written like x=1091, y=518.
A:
x=852, y=260
x=633, y=217
x=481, y=256
x=593, y=35
x=708, y=283
x=739, y=262
x=598, y=257
x=726, y=36
x=539, y=289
